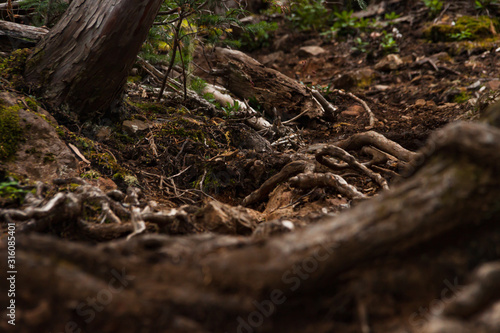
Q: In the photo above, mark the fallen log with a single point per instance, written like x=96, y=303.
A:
x=248, y=79
x=19, y=31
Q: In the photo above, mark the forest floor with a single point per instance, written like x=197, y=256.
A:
x=182, y=157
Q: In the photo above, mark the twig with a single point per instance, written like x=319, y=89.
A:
x=180, y=173
x=172, y=59
x=77, y=152
x=327, y=106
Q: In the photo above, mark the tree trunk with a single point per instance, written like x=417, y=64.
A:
x=85, y=59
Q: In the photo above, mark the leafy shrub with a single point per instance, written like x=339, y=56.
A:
x=309, y=15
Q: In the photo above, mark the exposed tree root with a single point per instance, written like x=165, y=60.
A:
x=212, y=280
x=372, y=138
x=351, y=161
x=288, y=171
x=306, y=181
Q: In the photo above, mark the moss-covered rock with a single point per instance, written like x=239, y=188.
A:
x=11, y=132
x=464, y=28
x=12, y=68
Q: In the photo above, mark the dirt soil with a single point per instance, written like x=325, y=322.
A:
x=185, y=156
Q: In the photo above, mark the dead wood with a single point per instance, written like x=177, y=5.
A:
x=248, y=79
x=204, y=282
x=19, y=31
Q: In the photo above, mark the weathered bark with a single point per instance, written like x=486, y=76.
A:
x=249, y=79
x=85, y=59
x=16, y=30
x=214, y=279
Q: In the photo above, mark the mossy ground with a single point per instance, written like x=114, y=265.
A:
x=11, y=132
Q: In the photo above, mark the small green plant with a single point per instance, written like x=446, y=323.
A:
x=388, y=43
x=361, y=46
x=12, y=192
x=434, y=6
x=231, y=109
x=90, y=174
x=309, y=14
x=198, y=84
x=391, y=16
x=256, y=35
x=485, y=5
x=461, y=97
x=345, y=23
x=462, y=35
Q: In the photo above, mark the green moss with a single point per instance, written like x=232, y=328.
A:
x=149, y=107
x=184, y=128
x=91, y=174
x=462, y=97
x=12, y=67
x=465, y=28
x=32, y=103
x=134, y=79
x=11, y=132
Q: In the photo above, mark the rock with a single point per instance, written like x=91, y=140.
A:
x=134, y=127
x=431, y=105
x=103, y=133
x=42, y=155
x=271, y=58
x=307, y=51
x=420, y=102
x=353, y=111
x=271, y=228
x=106, y=184
x=389, y=63
x=493, y=85
x=221, y=218
x=344, y=81
x=361, y=77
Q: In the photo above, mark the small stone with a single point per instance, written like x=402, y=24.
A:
x=380, y=87
x=431, y=105
x=106, y=184
x=271, y=58
x=134, y=127
x=103, y=133
x=361, y=77
x=353, y=111
x=307, y=51
x=420, y=102
x=349, y=113
x=389, y=63
x=493, y=85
